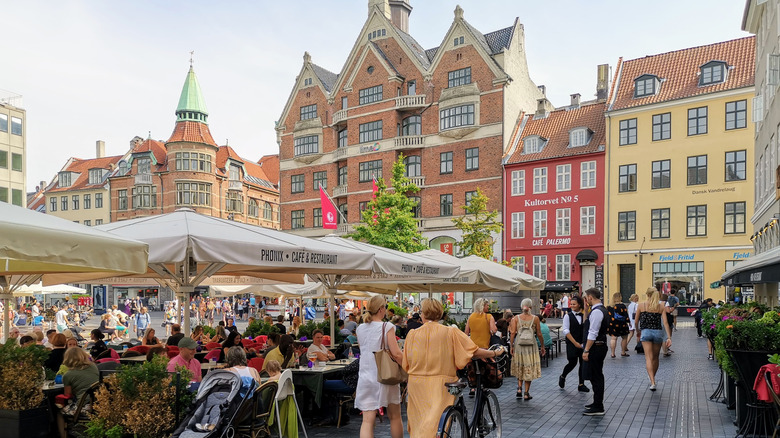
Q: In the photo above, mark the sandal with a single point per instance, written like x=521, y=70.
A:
x=625, y=355
x=667, y=354
x=613, y=356
x=519, y=394
x=527, y=396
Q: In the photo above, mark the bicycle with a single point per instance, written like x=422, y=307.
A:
x=486, y=418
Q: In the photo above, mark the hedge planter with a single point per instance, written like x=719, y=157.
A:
x=30, y=423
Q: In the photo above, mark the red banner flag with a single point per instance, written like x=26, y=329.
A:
x=374, y=188
x=328, y=211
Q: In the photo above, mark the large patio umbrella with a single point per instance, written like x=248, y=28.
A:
x=36, y=246
x=186, y=248
x=39, y=288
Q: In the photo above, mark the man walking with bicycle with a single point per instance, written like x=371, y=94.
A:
x=595, y=329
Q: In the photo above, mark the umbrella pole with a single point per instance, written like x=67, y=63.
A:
x=332, y=298
x=6, y=319
x=184, y=304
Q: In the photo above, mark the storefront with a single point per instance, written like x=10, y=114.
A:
x=757, y=278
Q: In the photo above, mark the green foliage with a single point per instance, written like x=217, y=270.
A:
x=398, y=310
x=741, y=327
x=478, y=227
x=97, y=428
x=151, y=373
x=305, y=331
x=388, y=220
x=209, y=331
x=21, y=377
x=258, y=327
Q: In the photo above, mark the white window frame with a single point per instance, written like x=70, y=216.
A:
x=518, y=225
x=563, y=267
x=563, y=178
x=540, y=223
x=540, y=267
x=578, y=137
x=563, y=222
x=540, y=180
x=518, y=263
x=533, y=144
x=588, y=175
x=518, y=182
x=588, y=220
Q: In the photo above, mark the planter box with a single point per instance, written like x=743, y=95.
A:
x=32, y=423
x=730, y=392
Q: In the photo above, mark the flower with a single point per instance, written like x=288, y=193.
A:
x=729, y=327
x=303, y=338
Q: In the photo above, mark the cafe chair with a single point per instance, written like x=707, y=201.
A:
x=775, y=400
x=326, y=341
x=213, y=354
x=132, y=353
x=344, y=402
x=213, y=345
x=246, y=342
x=256, y=363
x=263, y=402
x=81, y=417
x=286, y=390
x=143, y=349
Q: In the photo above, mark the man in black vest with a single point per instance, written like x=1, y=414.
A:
x=595, y=331
x=572, y=331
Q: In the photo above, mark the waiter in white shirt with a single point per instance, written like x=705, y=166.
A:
x=573, y=334
x=595, y=350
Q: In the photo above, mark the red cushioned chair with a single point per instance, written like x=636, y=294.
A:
x=113, y=354
x=212, y=345
x=326, y=340
x=246, y=342
x=143, y=349
x=172, y=353
x=107, y=359
x=261, y=338
x=213, y=354
x=256, y=363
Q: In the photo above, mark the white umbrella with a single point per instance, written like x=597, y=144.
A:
x=40, y=289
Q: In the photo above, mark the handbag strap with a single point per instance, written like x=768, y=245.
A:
x=384, y=346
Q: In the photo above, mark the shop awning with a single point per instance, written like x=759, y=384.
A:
x=561, y=286
x=587, y=255
x=761, y=268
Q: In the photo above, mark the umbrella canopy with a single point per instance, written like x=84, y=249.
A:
x=39, y=288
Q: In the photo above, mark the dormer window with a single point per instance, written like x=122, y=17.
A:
x=533, y=144
x=123, y=168
x=144, y=166
x=646, y=85
x=234, y=173
x=713, y=72
x=95, y=176
x=64, y=179
x=579, y=137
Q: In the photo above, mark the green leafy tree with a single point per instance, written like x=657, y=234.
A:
x=388, y=220
x=477, y=227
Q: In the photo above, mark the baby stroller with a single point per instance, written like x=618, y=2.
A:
x=221, y=396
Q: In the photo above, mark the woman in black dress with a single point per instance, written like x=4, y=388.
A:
x=618, y=325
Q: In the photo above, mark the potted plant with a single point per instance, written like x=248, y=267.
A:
x=22, y=411
x=258, y=328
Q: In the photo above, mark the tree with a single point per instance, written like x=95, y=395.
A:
x=388, y=220
x=477, y=227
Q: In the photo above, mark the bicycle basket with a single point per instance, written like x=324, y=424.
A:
x=489, y=370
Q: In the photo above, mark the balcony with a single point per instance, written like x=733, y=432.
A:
x=340, y=191
x=234, y=184
x=339, y=116
x=340, y=153
x=409, y=142
x=345, y=229
x=419, y=181
x=143, y=179
x=409, y=102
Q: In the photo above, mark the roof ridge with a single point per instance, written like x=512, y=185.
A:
x=691, y=48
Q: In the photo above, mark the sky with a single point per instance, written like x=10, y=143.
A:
x=110, y=70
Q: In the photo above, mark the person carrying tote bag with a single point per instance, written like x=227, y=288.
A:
x=389, y=372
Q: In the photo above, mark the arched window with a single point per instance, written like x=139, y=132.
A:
x=268, y=211
x=411, y=125
x=413, y=164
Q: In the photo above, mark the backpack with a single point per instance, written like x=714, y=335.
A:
x=525, y=335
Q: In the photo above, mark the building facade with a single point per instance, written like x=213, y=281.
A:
x=554, y=196
x=449, y=110
x=679, y=155
x=13, y=160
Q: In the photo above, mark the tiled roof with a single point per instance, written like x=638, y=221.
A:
x=82, y=167
x=555, y=128
x=431, y=53
x=679, y=72
x=416, y=48
x=194, y=132
x=36, y=200
x=500, y=39
x=157, y=148
x=225, y=152
x=327, y=78
x=254, y=172
x=270, y=165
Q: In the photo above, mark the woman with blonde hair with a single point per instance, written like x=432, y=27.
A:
x=526, y=362
x=480, y=326
x=149, y=337
x=82, y=373
x=651, y=330
x=372, y=395
x=633, y=300
x=296, y=326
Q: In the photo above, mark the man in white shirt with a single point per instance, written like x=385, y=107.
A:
x=596, y=326
x=572, y=332
x=61, y=318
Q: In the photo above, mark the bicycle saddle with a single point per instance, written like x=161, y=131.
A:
x=460, y=384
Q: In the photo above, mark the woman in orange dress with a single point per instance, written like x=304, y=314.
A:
x=432, y=355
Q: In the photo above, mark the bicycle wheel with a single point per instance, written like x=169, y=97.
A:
x=490, y=417
x=452, y=425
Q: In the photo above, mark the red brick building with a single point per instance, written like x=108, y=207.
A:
x=554, y=202
x=449, y=110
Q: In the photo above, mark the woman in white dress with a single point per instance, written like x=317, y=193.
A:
x=634, y=300
x=372, y=395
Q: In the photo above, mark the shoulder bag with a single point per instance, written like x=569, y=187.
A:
x=388, y=371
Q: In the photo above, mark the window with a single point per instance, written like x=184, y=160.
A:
x=320, y=179
x=458, y=41
x=344, y=102
x=645, y=86
x=563, y=174
x=4, y=196
x=518, y=264
x=411, y=125
x=98, y=222
x=540, y=180
x=95, y=176
x=3, y=123
x=88, y=223
x=563, y=267
x=362, y=205
x=306, y=145
x=52, y=201
x=735, y=166
x=533, y=144
x=98, y=200
x=121, y=200
x=736, y=114
x=234, y=202
x=191, y=193
x=697, y=170
x=540, y=223
x=16, y=197
x=371, y=131
x=472, y=159
x=563, y=222
x=144, y=166
x=369, y=170
x=445, y=162
x=417, y=209
x=411, y=88
x=734, y=217
x=296, y=219
x=308, y=112
x=234, y=173
x=518, y=182
x=659, y=223
x=578, y=137
x=16, y=126
x=627, y=132
x=3, y=159
x=540, y=267
x=459, y=77
x=317, y=215
x=697, y=121
x=518, y=225
x=144, y=196
x=662, y=126
x=456, y=116
x=64, y=179
x=470, y=195
x=87, y=202
x=627, y=181
x=64, y=203
x=588, y=175
x=712, y=73
x=193, y=161
x=627, y=225
x=697, y=220
x=75, y=202
x=307, y=81
x=343, y=138
x=16, y=162
x=369, y=95
x=343, y=175
x=412, y=166
x=297, y=183
x=661, y=174
x=252, y=209
x=588, y=220
x=341, y=218
x=268, y=211
x=445, y=205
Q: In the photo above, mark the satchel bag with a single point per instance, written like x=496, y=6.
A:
x=388, y=371
x=526, y=335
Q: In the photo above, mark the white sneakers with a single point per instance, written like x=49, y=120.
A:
x=652, y=387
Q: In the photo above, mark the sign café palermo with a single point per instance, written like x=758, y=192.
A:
x=560, y=200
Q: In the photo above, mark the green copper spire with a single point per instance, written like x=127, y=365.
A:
x=191, y=107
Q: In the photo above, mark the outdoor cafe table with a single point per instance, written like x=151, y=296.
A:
x=50, y=391
x=132, y=359
x=314, y=378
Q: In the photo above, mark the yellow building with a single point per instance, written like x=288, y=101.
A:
x=13, y=130
x=679, y=152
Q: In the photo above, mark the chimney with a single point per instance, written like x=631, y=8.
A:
x=602, y=82
x=543, y=107
x=399, y=14
x=543, y=90
x=384, y=7
x=100, y=149
x=575, y=100
x=43, y=185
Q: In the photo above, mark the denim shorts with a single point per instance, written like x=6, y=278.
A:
x=655, y=336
